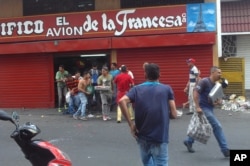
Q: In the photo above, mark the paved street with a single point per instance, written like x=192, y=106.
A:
x=98, y=143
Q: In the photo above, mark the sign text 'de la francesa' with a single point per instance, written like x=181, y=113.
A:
x=167, y=19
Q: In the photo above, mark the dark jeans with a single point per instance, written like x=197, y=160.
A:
x=217, y=129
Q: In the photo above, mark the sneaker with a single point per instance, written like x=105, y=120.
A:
x=226, y=153
x=104, y=118
x=189, y=147
x=59, y=110
x=75, y=117
x=109, y=118
x=83, y=118
x=189, y=113
x=91, y=116
x=65, y=106
x=118, y=121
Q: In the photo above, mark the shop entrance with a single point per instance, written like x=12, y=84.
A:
x=79, y=61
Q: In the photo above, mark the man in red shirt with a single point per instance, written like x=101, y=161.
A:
x=124, y=82
x=74, y=100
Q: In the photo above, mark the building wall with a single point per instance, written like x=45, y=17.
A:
x=243, y=50
x=215, y=46
x=11, y=8
x=107, y=5
x=235, y=16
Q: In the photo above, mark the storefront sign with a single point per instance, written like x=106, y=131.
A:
x=143, y=21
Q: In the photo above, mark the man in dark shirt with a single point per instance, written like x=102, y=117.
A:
x=205, y=105
x=154, y=103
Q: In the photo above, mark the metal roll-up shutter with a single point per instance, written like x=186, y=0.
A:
x=233, y=70
x=26, y=81
x=243, y=50
x=172, y=62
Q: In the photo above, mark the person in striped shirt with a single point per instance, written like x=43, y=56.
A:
x=74, y=101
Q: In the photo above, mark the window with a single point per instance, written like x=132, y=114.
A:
x=41, y=7
x=148, y=3
x=229, y=46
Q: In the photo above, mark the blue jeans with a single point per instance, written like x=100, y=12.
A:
x=74, y=102
x=82, y=108
x=61, y=92
x=217, y=129
x=153, y=154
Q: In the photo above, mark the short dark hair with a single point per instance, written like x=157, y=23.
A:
x=123, y=68
x=85, y=73
x=152, y=71
x=213, y=69
x=62, y=66
x=115, y=64
x=77, y=71
x=105, y=68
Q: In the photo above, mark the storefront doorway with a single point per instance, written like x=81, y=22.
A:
x=79, y=62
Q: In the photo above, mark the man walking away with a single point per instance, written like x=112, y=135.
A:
x=154, y=105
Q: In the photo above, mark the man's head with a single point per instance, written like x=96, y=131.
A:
x=113, y=66
x=94, y=66
x=105, y=70
x=86, y=75
x=190, y=62
x=77, y=74
x=123, y=68
x=152, y=71
x=61, y=68
x=215, y=73
x=68, y=77
x=144, y=64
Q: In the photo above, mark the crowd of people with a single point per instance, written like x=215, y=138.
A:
x=81, y=95
x=147, y=107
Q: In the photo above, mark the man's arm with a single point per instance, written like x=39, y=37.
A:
x=173, y=110
x=131, y=82
x=123, y=105
x=196, y=96
x=81, y=87
x=58, y=78
x=186, y=88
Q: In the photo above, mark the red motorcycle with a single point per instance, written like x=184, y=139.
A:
x=37, y=151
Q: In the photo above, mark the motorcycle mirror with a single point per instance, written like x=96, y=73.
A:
x=5, y=116
x=15, y=116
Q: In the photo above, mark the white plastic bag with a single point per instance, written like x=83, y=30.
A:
x=199, y=128
x=67, y=97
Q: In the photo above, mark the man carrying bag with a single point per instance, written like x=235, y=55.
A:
x=205, y=106
x=199, y=128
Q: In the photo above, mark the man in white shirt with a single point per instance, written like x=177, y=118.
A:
x=193, y=78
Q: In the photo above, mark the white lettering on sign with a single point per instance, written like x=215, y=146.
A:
x=125, y=20
x=61, y=21
x=146, y=22
x=20, y=28
x=240, y=157
x=89, y=25
x=107, y=24
x=64, y=31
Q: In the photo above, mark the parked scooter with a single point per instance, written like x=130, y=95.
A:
x=37, y=151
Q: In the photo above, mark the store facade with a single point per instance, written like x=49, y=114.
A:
x=33, y=47
x=235, y=31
